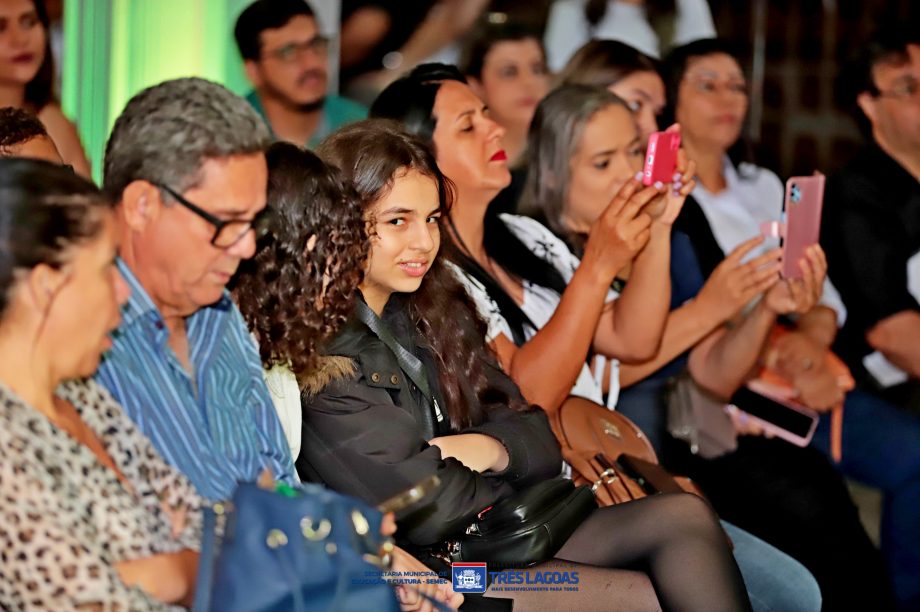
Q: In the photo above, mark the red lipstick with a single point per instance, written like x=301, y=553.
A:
x=499, y=155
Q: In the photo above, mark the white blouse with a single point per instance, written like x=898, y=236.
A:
x=540, y=303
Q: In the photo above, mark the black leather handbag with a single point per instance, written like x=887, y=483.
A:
x=526, y=528
x=523, y=529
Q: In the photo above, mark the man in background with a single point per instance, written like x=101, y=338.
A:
x=286, y=59
x=871, y=226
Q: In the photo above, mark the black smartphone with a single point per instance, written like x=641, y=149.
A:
x=651, y=477
x=787, y=420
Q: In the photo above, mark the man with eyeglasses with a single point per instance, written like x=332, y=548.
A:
x=185, y=161
x=285, y=56
x=872, y=221
x=871, y=235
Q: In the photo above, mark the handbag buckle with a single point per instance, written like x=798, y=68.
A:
x=453, y=550
x=607, y=477
x=315, y=534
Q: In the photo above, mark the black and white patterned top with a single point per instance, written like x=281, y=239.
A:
x=540, y=303
x=66, y=519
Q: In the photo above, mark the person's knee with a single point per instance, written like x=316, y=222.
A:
x=690, y=513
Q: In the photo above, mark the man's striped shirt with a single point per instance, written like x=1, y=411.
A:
x=218, y=427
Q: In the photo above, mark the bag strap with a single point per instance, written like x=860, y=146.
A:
x=205, y=577
x=408, y=363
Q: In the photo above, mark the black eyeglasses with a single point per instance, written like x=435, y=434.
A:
x=226, y=233
x=903, y=90
x=291, y=52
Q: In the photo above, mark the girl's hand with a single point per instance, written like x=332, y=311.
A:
x=478, y=452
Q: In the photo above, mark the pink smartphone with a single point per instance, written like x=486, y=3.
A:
x=802, y=216
x=778, y=415
x=661, y=157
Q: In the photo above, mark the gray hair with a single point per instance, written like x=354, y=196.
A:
x=167, y=131
x=554, y=136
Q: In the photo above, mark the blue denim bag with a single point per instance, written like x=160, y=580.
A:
x=311, y=551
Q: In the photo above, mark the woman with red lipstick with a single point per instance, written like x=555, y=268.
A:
x=552, y=302
x=370, y=430
x=27, y=75
x=506, y=67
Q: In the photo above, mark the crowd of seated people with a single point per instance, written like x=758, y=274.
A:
x=231, y=305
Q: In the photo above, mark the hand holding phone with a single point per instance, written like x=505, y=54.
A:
x=410, y=496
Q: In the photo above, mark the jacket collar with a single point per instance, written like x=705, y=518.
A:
x=376, y=362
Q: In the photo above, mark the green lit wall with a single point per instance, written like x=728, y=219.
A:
x=115, y=48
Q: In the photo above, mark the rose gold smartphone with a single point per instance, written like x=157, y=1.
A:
x=802, y=216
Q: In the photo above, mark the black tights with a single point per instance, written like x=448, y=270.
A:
x=676, y=539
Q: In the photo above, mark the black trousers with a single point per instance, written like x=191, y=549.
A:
x=794, y=499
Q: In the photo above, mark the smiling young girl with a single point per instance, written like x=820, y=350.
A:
x=370, y=431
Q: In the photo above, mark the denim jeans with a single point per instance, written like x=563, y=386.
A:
x=881, y=448
x=775, y=581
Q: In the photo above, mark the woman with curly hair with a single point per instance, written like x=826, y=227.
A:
x=408, y=389
x=298, y=289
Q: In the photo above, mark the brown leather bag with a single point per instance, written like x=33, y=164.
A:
x=594, y=441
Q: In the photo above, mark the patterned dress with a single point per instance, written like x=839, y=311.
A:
x=66, y=519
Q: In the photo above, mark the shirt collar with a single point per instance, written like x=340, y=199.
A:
x=140, y=305
x=323, y=128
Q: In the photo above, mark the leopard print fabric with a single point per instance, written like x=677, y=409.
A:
x=65, y=519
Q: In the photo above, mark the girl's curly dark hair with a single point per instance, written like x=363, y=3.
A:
x=298, y=289
x=372, y=153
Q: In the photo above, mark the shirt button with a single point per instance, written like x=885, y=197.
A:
x=394, y=379
x=375, y=377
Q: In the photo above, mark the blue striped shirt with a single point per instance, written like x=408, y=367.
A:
x=218, y=428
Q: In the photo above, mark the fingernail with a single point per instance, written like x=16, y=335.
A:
x=638, y=176
x=677, y=176
x=659, y=185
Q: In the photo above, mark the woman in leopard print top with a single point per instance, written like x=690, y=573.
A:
x=90, y=515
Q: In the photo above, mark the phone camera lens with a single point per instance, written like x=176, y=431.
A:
x=795, y=194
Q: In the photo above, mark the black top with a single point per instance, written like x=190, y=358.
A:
x=365, y=434
x=692, y=221
x=870, y=229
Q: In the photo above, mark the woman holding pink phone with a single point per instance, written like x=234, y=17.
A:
x=708, y=91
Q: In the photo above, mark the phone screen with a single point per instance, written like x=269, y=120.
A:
x=764, y=408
